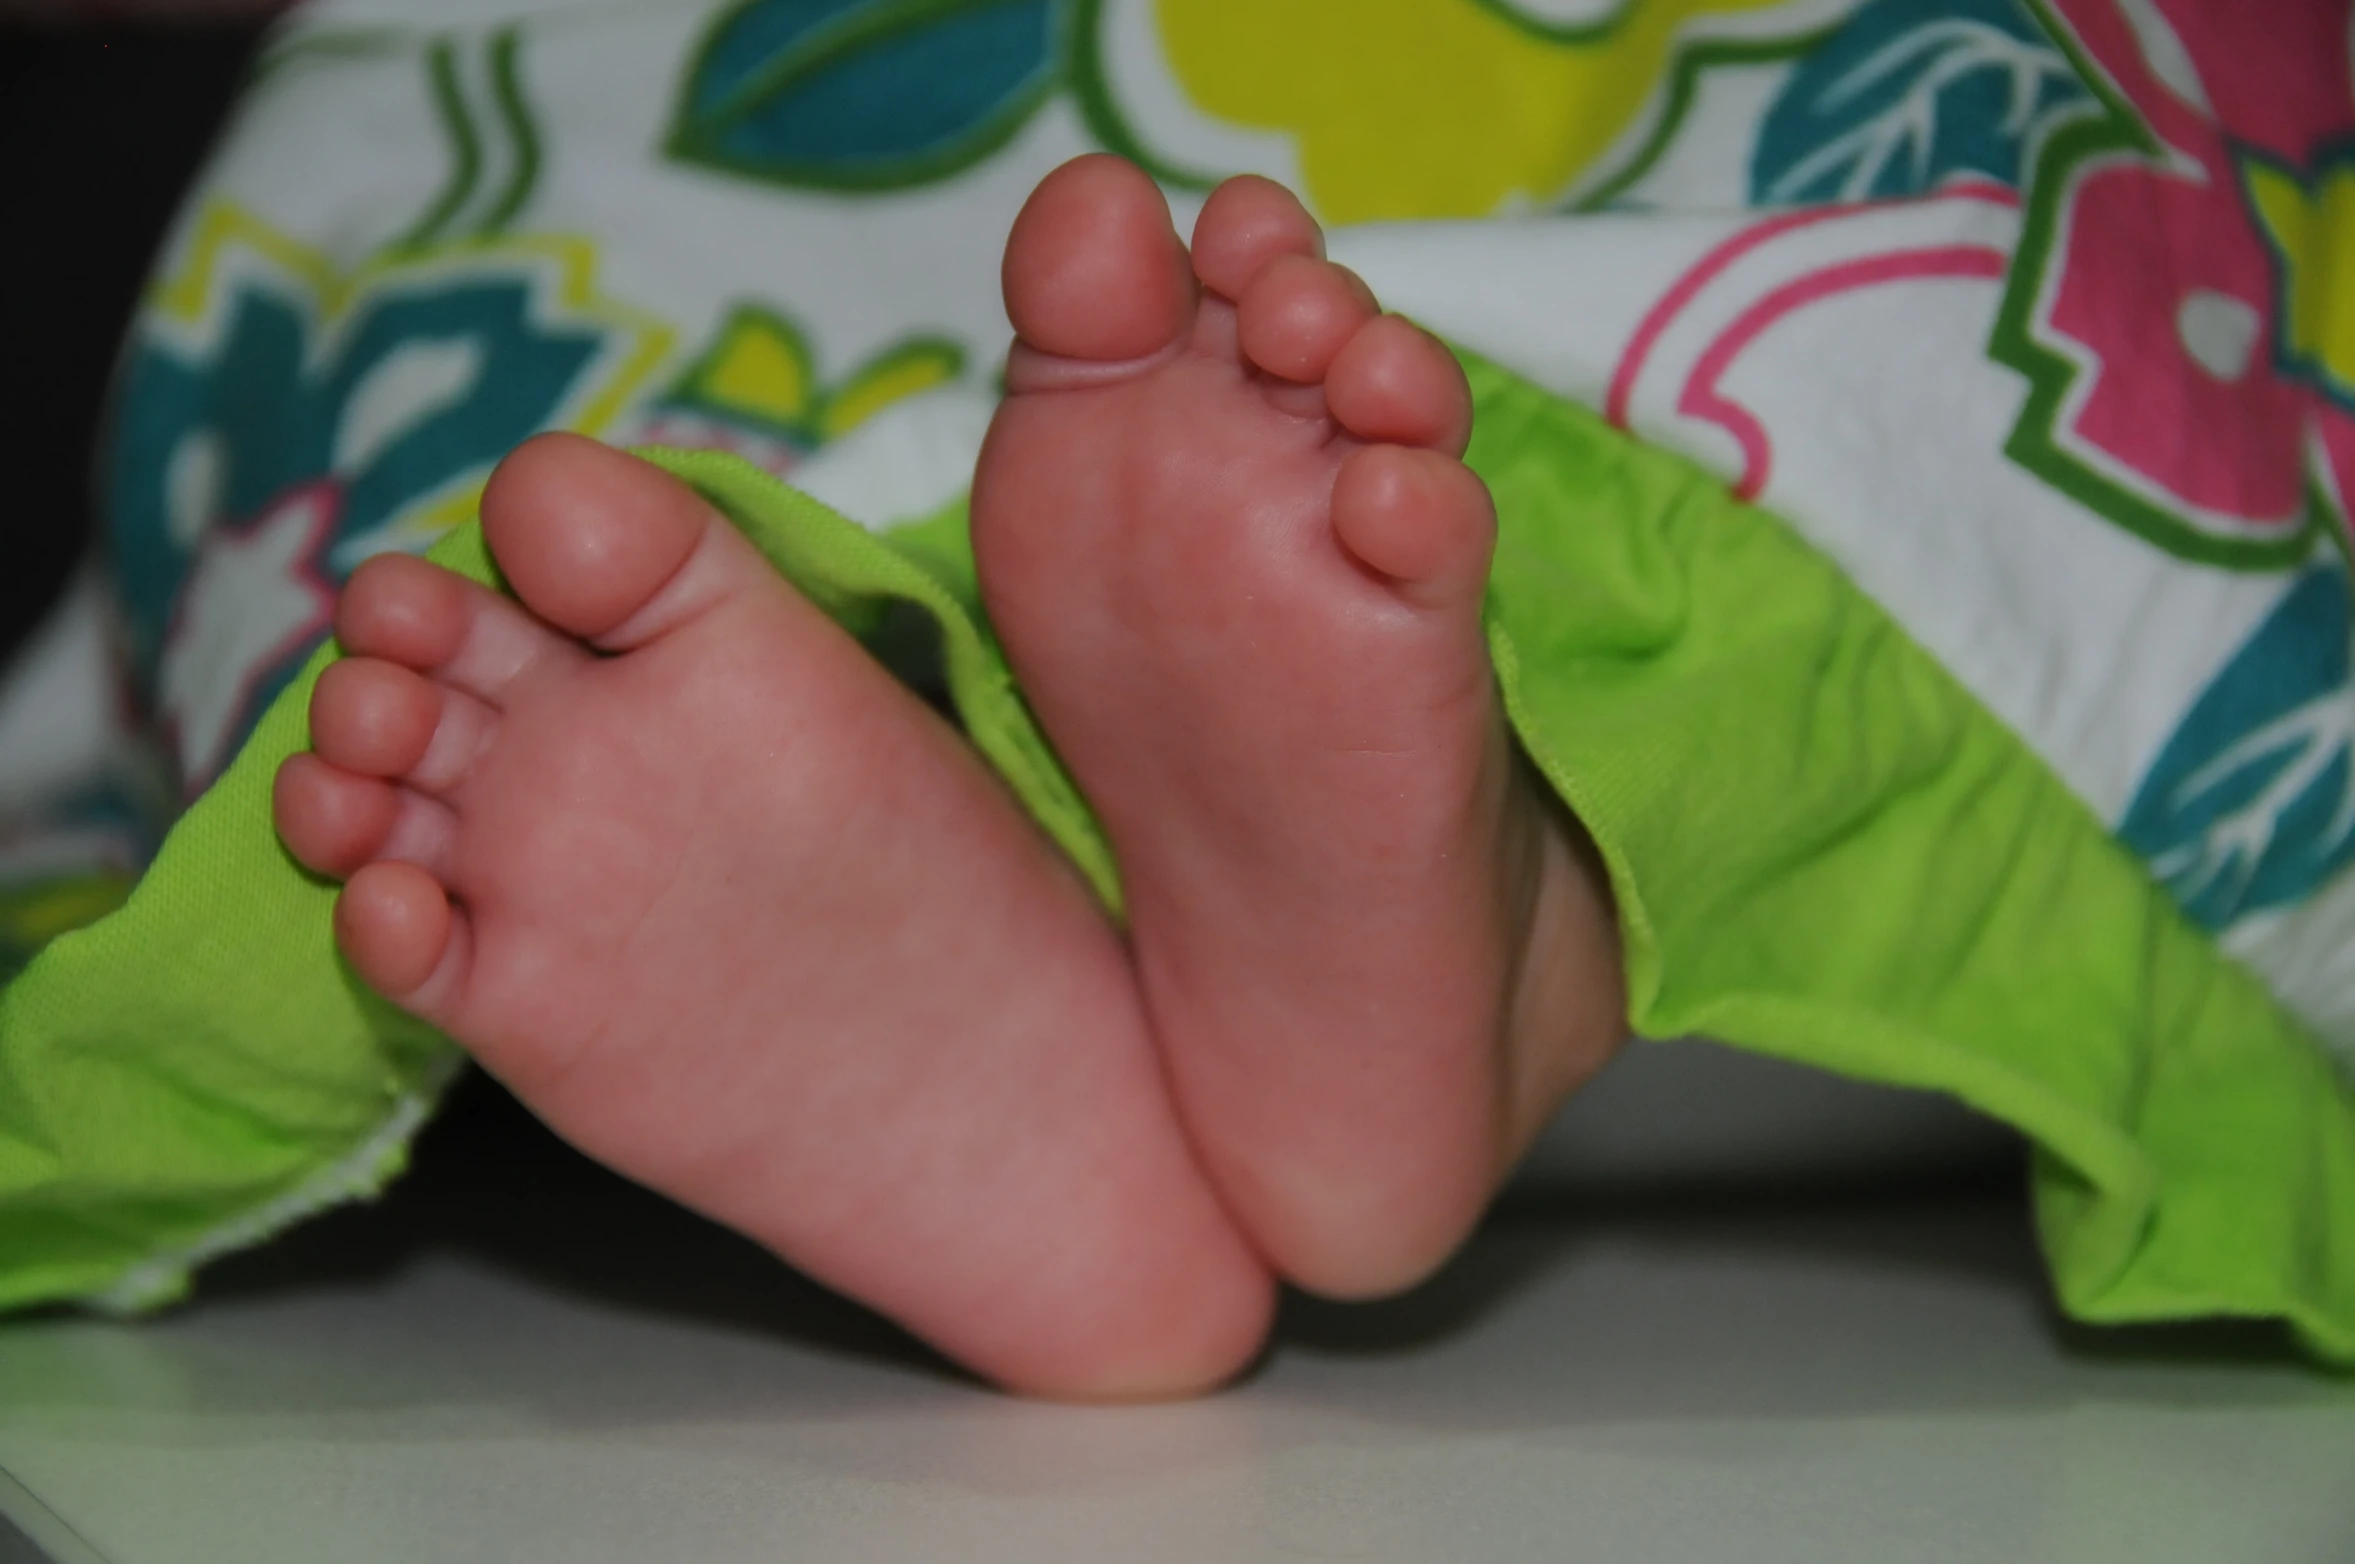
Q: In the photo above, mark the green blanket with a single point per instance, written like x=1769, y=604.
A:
x=1822, y=848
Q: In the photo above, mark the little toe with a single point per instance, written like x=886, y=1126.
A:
x=396, y=926
x=607, y=547
x=1418, y=517
x=1299, y=313
x=1395, y=383
x=1094, y=270
x=1247, y=224
x=335, y=822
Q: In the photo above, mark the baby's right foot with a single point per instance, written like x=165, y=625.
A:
x=1226, y=538
x=734, y=913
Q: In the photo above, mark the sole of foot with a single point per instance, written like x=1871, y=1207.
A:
x=737, y=915
x=1226, y=537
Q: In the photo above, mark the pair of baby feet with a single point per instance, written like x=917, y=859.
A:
x=737, y=915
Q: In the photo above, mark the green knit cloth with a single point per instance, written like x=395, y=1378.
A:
x=1822, y=848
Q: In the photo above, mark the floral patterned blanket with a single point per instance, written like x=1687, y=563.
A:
x=2024, y=328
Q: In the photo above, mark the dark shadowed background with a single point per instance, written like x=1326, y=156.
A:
x=101, y=127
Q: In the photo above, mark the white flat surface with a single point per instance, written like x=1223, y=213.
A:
x=520, y=1360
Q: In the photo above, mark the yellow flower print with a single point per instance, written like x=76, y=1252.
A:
x=2309, y=224
x=1428, y=108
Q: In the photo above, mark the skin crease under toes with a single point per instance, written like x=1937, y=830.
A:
x=1226, y=540
x=741, y=918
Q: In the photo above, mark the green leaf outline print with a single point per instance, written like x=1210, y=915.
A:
x=721, y=130
x=1517, y=15
x=1612, y=181
x=1908, y=95
x=508, y=130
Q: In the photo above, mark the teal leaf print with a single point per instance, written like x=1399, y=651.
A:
x=294, y=435
x=864, y=94
x=2252, y=803
x=1908, y=95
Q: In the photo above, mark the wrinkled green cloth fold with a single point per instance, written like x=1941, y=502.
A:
x=1825, y=849
x=1821, y=847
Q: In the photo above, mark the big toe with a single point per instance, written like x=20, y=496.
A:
x=605, y=546
x=1093, y=268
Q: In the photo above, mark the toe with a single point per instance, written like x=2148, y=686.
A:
x=1248, y=223
x=378, y=719
x=331, y=820
x=372, y=717
x=402, y=610
x=335, y=822
x=1394, y=382
x=1298, y=314
x=406, y=611
x=607, y=547
x=396, y=926
x=1418, y=517
x=1093, y=268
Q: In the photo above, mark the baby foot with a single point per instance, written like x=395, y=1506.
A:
x=1225, y=537
x=739, y=917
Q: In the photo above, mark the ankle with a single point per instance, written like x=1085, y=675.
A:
x=1568, y=1014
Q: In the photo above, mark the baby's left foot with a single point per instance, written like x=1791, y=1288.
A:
x=1225, y=536
x=665, y=850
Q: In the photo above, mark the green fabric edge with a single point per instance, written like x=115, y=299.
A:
x=1821, y=846
x=1824, y=848
x=199, y=1070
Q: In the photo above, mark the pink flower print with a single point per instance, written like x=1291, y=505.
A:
x=2173, y=294
x=2158, y=336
